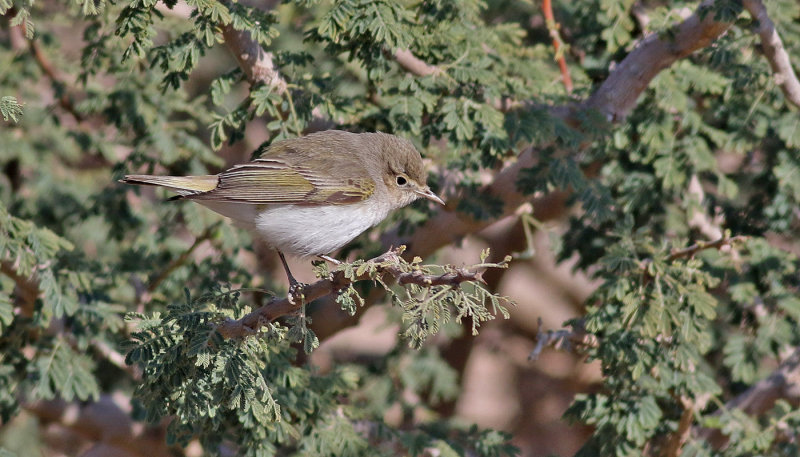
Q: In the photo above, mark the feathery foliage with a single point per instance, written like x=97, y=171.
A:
x=684, y=213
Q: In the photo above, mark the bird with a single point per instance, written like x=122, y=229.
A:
x=311, y=195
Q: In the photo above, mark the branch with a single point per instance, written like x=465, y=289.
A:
x=774, y=51
x=617, y=96
x=783, y=383
x=387, y=265
x=413, y=64
x=678, y=438
x=256, y=63
x=702, y=246
x=26, y=289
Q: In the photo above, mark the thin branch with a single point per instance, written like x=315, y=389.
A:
x=180, y=260
x=566, y=339
x=386, y=265
x=552, y=27
x=60, y=87
x=774, y=51
x=702, y=246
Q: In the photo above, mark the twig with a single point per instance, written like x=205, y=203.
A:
x=180, y=260
x=561, y=339
x=552, y=27
x=47, y=68
x=701, y=246
x=774, y=51
x=386, y=265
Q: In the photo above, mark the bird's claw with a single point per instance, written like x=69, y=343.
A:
x=296, y=290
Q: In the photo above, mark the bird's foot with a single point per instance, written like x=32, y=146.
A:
x=296, y=291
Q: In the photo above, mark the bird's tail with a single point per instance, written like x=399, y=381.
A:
x=183, y=185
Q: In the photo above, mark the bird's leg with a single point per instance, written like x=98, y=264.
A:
x=330, y=259
x=295, y=287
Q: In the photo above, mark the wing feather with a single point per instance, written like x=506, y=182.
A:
x=275, y=181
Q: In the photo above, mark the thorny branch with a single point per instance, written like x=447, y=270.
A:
x=387, y=265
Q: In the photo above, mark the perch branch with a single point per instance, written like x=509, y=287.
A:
x=387, y=265
x=552, y=27
x=774, y=51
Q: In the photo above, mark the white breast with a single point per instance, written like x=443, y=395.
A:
x=313, y=230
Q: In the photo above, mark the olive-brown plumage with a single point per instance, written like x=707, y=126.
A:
x=311, y=195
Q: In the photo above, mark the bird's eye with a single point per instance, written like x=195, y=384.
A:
x=401, y=180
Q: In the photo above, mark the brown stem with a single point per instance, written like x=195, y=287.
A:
x=413, y=64
x=702, y=246
x=387, y=266
x=26, y=289
x=552, y=27
x=180, y=260
x=677, y=439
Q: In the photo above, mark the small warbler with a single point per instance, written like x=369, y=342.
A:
x=311, y=195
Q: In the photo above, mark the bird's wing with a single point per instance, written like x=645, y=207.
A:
x=273, y=180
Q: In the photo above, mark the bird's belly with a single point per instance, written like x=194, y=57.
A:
x=313, y=230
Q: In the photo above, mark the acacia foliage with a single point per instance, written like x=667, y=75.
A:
x=674, y=333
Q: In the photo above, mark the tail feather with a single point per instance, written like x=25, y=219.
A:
x=183, y=185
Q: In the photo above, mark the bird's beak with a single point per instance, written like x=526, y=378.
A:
x=426, y=192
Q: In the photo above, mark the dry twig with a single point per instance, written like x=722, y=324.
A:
x=387, y=265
